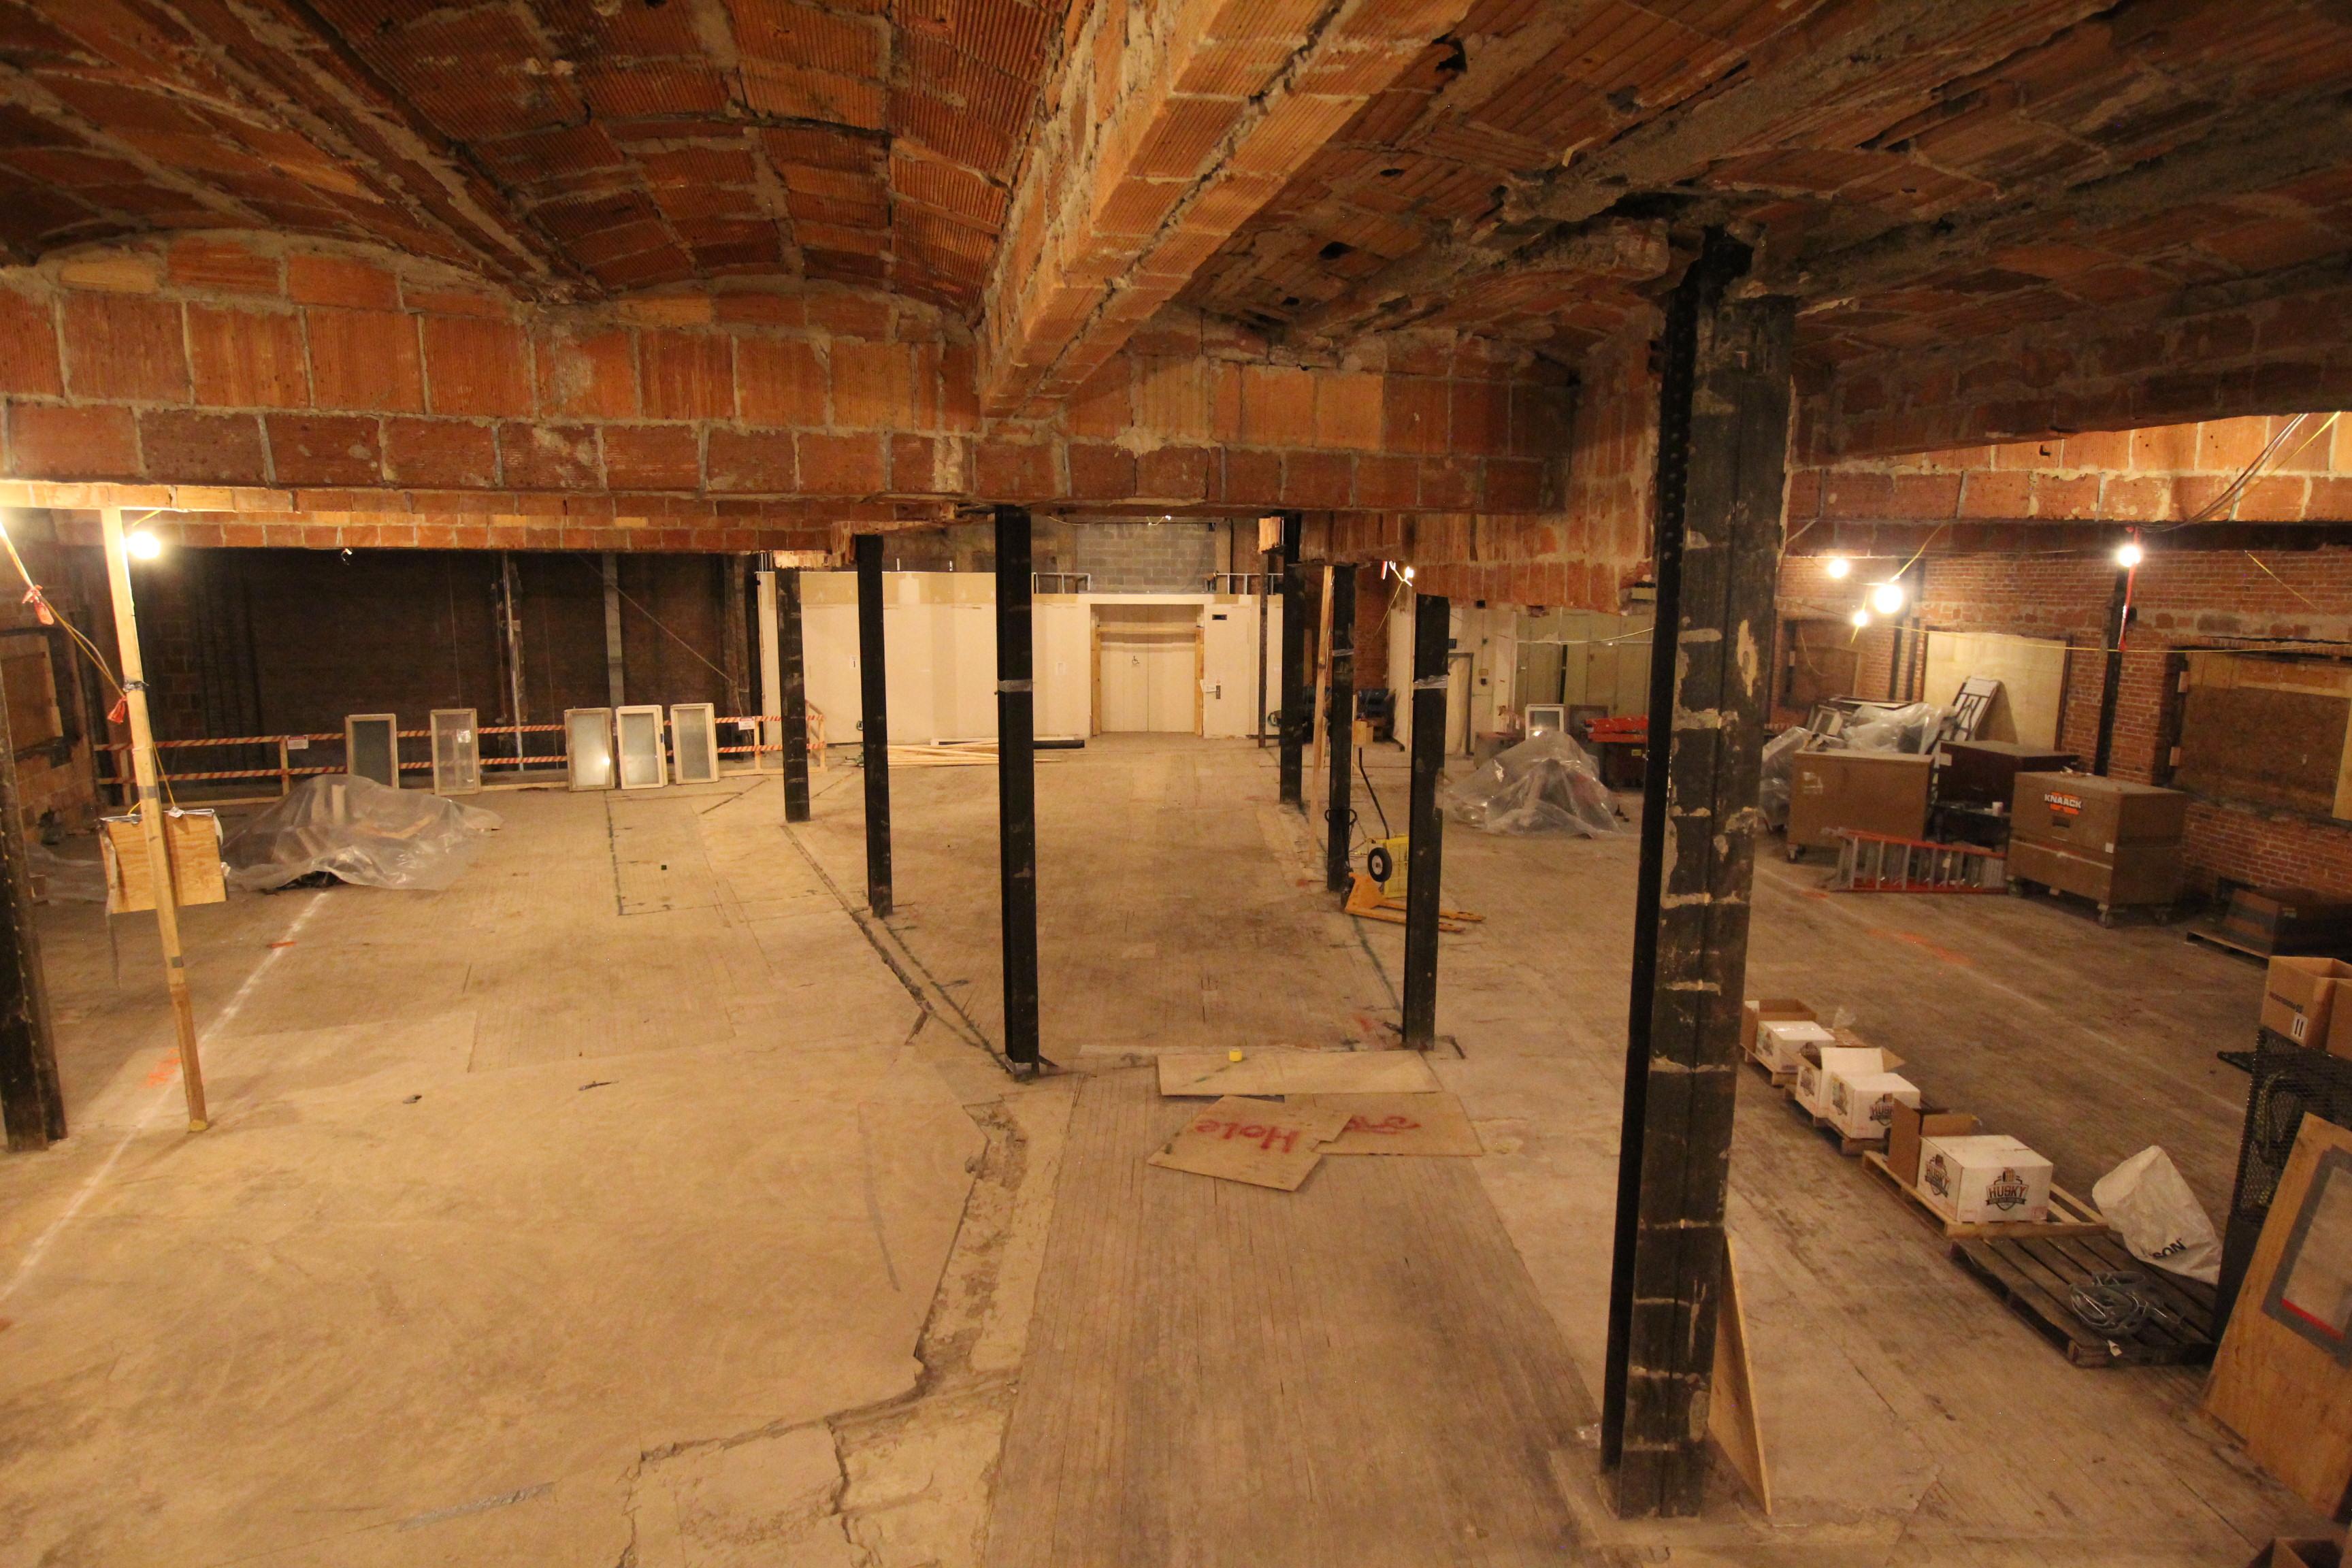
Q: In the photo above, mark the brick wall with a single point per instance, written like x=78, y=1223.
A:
x=408, y=631
x=256, y=379
x=2155, y=475
x=2197, y=353
x=2182, y=598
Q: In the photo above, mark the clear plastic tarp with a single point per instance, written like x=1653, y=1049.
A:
x=1879, y=727
x=357, y=830
x=1780, y=767
x=1546, y=785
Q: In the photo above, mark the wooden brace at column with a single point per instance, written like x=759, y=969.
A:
x=1722, y=449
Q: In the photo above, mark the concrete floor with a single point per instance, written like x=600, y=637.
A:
x=637, y=1201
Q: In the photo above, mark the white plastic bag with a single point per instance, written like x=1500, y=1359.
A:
x=2159, y=1217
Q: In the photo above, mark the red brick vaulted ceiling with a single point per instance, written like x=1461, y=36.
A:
x=566, y=146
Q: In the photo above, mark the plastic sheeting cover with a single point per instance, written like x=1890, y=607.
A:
x=1879, y=728
x=1546, y=784
x=359, y=831
x=1780, y=767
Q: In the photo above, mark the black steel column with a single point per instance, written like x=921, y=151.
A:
x=1271, y=564
x=1297, y=716
x=1432, y=642
x=30, y=1102
x=1016, y=783
x=1722, y=448
x=874, y=733
x=794, y=676
x=2111, y=685
x=1339, y=744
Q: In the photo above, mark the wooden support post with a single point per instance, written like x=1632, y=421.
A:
x=30, y=1102
x=1294, y=667
x=1432, y=641
x=150, y=814
x=873, y=730
x=1340, y=727
x=510, y=624
x=791, y=673
x=2111, y=684
x=1016, y=783
x=1723, y=430
x=616, y=680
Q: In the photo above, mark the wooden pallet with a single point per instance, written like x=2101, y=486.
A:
x=2213, y=937
x=2069, y=1216
x=2035, y=1277
x=1849, y=1147
x=1777, y=1079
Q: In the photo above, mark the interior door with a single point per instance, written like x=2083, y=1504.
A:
x=1229, y=678
x=1822, y=662
x=1149, y=667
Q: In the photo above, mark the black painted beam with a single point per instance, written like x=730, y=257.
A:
x=873, y=730
x=795, y=684
x=31, y=1104
x=1297, y=716
x=1340, y=741
x=1433, y=643
x=2111, y=680
x=1722, y=452
x=1016, y=781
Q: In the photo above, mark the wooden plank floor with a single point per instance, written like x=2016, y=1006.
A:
x=1357, y=1373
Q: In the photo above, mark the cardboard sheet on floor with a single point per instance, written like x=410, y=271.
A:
x=1260, y=1142
x=1277, y=1069
x=1399, y=1124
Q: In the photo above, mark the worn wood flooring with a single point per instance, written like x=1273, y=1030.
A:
x=1357, y=1373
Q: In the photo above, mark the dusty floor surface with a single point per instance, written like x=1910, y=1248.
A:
x=637, y=1201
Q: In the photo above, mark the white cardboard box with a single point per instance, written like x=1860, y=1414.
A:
x=1812, y=1076
x=1988, y=1176
x=1862, y=1104
x=1781, y=1043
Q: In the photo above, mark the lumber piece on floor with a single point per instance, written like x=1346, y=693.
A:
x=1289, y=1070
x=1260, y=1142
x=1731, y=1414
x=1428, y=1124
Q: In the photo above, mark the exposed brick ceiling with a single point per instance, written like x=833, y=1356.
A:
x=2047, y=157
x=609, y=144
x=1916, y=170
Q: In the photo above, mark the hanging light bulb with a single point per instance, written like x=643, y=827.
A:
x=1861, y=618
x=1408, y=573
x=144, y=545
x=1838, y=567
x=2130, y=554
x=1886, y=598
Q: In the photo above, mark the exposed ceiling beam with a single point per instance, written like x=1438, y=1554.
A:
x=1155, y=149
x=1890, y=65
x=1425, y=283
x=2282, y=143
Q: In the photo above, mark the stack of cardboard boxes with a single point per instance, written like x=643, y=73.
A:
x=2301, y=1002
x=1964, y=1174
x=2115, y=843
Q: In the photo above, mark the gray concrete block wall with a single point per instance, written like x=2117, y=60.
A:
x=1173, y=557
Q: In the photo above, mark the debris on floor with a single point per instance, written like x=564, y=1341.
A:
x=1432, y=1124
x=1260, y=1142
x=1285, y=1069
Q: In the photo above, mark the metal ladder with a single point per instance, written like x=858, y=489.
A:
x=1882, y=863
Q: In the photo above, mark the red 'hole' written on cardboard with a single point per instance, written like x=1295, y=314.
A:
x=1274, y=1139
